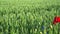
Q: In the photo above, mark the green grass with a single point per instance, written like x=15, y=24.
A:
x=28, y=16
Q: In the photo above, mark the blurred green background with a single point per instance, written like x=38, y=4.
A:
x=29, y=16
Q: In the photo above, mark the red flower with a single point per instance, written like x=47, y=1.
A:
x=56, y=20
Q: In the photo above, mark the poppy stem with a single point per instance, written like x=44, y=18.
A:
x=58, y=28
x=53, y=29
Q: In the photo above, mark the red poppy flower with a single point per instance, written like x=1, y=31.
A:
x=56, y=20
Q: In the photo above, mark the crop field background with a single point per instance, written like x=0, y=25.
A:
x=29, y=16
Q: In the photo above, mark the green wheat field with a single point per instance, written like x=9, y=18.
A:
x=29, y=16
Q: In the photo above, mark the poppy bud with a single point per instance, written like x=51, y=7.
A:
x=40, y=32
x=51, y=26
